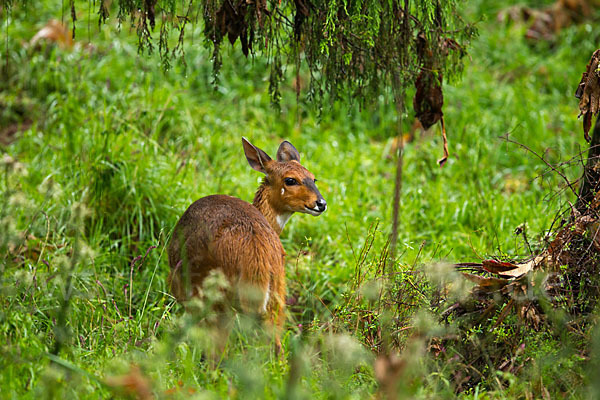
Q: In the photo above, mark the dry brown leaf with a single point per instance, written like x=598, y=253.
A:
x=232, y=21
x=443, y=160
x=134, y=383
x=55, y=32
x=506, y=274
x=428, y=103
x=523, y=268
x=180, y=389
x=486, y=282
x=429, y=98
x=496, y=267
x=551, y=20
x=533, y=317
x=548, y=21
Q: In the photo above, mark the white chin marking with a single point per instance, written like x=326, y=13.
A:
x=283, y=219
x=312, y=211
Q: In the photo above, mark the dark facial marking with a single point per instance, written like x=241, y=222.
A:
x=309, y=183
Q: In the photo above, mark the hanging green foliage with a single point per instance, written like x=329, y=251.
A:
x=353, y=50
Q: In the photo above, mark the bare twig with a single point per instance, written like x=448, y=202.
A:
x=560, y=173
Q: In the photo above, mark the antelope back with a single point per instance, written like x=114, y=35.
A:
x=227, y=233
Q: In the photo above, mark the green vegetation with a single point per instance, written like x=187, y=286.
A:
x=111, y=151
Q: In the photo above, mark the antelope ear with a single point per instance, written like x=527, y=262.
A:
x=257, y=158
x=287, y=152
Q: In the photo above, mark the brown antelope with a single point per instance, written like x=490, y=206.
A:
x=242, y=239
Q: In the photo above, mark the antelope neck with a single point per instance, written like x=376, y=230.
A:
x=276, y=219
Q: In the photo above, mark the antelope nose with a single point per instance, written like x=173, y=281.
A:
x=321, y=205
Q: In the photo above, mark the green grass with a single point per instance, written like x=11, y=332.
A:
x=117, y=149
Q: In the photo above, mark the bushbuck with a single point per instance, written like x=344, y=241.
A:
x=242, y=239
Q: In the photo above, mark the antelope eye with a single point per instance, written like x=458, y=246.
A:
x=290, y=181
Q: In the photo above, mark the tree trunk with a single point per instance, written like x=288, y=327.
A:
x=591, y=173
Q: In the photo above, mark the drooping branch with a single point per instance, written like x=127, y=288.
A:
x=352, y=49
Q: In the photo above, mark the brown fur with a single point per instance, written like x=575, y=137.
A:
x=242, y=239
